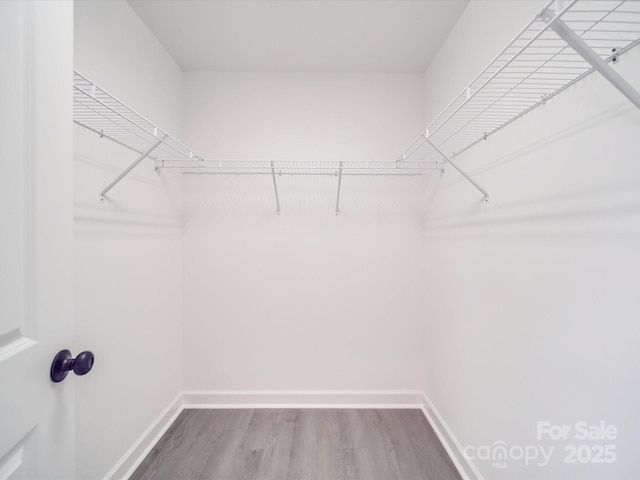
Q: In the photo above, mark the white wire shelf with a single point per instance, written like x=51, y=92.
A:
x=105, y=115
x=102, y=113
x=301, y=167
x=563, y=44
x=543, y=60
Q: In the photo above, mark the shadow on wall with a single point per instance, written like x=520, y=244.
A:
x=144, y=203
x=368, y=199
x=592, y=124
x=563, y=209
x=561, y=178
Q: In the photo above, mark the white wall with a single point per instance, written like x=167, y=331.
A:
x=128, y=250
x=298, y=116
x=305, y=300
x=532, y=298
x=507, y=313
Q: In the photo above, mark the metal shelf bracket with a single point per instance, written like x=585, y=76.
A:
x=589, y=55
x=275, y=186
x=462, y=172
x=339, y=185
x=127, y=170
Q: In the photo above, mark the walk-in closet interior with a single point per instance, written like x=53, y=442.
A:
x=324, y=239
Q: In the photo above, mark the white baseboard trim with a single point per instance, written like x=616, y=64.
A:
x=465, y=467
x=125, y=467
x=303, y=399
x=219, y=399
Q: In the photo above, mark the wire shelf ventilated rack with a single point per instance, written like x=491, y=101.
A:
x=100, y=112
x=562, y=45
x=302, y=167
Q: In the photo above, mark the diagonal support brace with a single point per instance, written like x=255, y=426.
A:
x=462, y=172
x=586, y=52
x=275, y=186
x=129, y=168
x=339, y=185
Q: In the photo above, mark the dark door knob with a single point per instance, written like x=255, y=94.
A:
x=63, y=363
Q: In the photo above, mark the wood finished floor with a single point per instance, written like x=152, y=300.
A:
x=298, y=445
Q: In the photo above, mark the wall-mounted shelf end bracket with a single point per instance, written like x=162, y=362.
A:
x=462, y=172
x=127, y=170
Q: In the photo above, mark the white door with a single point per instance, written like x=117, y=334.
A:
x=36, y=235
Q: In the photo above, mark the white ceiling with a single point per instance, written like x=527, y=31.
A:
x=390, y=36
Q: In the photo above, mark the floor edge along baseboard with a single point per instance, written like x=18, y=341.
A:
x=141, y=447
x=466, y=468
x=342, y=399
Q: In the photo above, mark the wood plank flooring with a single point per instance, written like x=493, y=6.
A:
x=308, y=444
